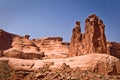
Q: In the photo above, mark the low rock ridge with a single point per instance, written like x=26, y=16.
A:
x=96, y=66
x=99, y=63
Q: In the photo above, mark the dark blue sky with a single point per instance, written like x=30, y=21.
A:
x=41, y=18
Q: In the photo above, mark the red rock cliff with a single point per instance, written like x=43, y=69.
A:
x=5, y=40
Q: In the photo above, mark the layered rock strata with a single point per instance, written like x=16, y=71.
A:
x=53, y=47
x=16, y=46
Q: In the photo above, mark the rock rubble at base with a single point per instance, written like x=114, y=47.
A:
x=65, y=72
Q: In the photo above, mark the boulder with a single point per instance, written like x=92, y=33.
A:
x=27, y=36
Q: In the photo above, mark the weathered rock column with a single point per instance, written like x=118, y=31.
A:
x=75, y=39
x=92, y=41
x=95, y=35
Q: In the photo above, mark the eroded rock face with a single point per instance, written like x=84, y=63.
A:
x=53, y=47
x=5, y=40
x=12, y=45
x=22, y=47
x=114, y=49
x=13, y=53
x=92, y=41
x=76, y=39
x=95, y=35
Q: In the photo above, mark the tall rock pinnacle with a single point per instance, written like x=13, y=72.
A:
x=92, y=41
x=75, y=39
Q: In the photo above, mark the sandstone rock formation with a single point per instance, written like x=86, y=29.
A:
x=76, y=39
x=48, y=57
x=23, y=48
x=5, y=40
x=53, y=47
x=12, y=45
x=113, y=49
x=92, y=41
x=23, y=55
